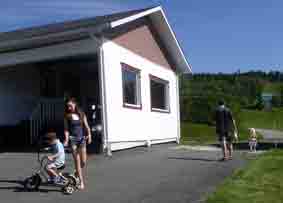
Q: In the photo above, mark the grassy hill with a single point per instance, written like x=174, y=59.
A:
x=193, y=133
x=262, y=119
x=273, y=88
x=198, y=134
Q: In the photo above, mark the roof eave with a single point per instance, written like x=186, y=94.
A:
x=54, y=38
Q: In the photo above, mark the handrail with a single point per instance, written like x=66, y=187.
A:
x=46, y=111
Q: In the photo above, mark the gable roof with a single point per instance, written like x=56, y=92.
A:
x=73, y=30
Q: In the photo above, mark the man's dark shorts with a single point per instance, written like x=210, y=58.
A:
x=225, y=137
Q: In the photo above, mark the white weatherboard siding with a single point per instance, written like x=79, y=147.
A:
x=132, y=127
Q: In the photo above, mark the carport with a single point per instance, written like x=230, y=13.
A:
x=38, y=72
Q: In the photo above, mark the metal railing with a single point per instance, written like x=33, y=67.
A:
x=48, y=111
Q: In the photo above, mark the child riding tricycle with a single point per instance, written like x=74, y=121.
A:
x=51, y=167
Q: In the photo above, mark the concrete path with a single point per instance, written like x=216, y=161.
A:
x=163, y=173
x=269, y=135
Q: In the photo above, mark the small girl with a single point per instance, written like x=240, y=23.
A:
x=252, y=140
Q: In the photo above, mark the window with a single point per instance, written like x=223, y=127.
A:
x=131, y=87
x=159, y=90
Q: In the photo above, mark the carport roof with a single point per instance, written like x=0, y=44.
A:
x=77, y=29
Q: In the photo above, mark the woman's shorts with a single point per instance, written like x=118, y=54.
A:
x=77, y=142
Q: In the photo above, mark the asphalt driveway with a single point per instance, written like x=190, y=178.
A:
x=163, y=173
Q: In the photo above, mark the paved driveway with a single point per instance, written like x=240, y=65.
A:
x=162, y=173
x=272, y=135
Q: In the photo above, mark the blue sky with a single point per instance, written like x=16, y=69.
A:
x=216, y=36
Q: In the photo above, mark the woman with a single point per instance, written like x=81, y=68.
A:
x=75, y=124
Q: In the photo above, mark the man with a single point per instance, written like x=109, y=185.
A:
x=224, y=126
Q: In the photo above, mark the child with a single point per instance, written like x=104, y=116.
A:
x=56, y=159
x=253, y=140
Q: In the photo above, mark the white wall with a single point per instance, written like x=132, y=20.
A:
x=19, y=89
x=126, y=124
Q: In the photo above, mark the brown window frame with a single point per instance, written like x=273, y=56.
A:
x=126, y=67
x=167, y=94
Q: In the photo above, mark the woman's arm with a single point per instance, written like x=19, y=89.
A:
x=87, y=129
x=66, y=133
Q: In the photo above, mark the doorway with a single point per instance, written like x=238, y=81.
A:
x=75, y=77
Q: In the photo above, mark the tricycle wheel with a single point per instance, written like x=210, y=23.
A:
x=72, y=180
x=68, y=189
x=32, y=183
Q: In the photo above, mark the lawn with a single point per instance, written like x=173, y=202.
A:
x=197, y=134
x=262, y=119
x=273, y=88
x=260, y=181
x=203, y=134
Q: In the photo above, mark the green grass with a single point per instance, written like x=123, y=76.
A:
x=203, y=134
x=260, y=182
x=262, y=119
x=273, y=88
x=199, y=134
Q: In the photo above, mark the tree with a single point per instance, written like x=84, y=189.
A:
x=259, y=104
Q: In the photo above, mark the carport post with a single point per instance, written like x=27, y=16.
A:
x=106, y=144
x=178, y=110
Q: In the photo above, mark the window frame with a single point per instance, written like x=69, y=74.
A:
x=126, y=67
x=167, y=94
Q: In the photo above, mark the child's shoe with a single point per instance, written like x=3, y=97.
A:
x=59, y=180
x=51, y=180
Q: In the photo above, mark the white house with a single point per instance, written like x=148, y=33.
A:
x=126, y=63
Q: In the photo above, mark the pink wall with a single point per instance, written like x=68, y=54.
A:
x=141, y=41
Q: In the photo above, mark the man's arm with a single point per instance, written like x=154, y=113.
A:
x=232, y=120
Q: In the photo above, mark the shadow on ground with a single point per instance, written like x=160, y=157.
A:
x=18, y=186
x=261, y=145
x=195, y=159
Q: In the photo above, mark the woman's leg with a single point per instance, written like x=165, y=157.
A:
x=77, y=160
x=83, y=158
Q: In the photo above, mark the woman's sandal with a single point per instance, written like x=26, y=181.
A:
x=80, y=187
